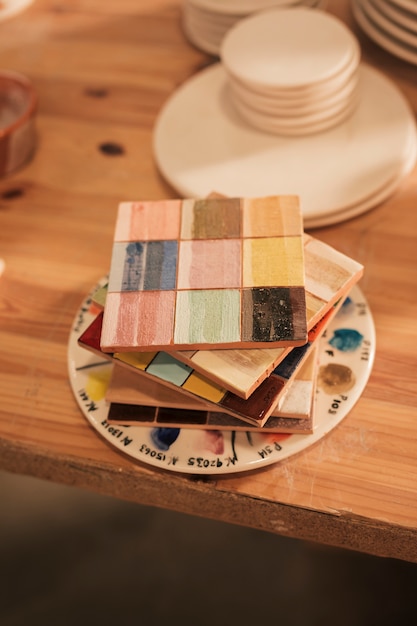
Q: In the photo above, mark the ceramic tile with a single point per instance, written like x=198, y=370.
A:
x=132, y=415
x=125, y=388
x=212, y=273
x=329, y=274
x=135, y=405
x=166, y=369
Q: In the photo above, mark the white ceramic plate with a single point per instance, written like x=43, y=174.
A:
x=205, y=16
x=399, y=16
x=239, y=6
x=202, y=145
x=10, y=8
x=299, y=125
x=387, y=26
x=302, y=105
x=408, y=5
x=287, y=48
x=346, y=357
x=205, y=24
x=380, y=196
x=201, y=38
x=399, y=49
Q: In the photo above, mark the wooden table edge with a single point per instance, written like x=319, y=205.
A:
x=202, y=497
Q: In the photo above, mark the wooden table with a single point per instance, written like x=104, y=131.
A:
x=102, y=71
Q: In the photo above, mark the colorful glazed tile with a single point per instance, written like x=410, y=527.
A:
x=210, y=264
x=156, y=406
x=203, y=274
x=207, y=315
x=126, y=388
x=99, y=297
x=133, y=415
x=255, y=409
x=138, y=313
x=329, y=275
x=164, y=368
x=148, y=221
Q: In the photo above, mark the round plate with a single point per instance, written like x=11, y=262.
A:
x=239, y=6
x=346, y=357
x=398, y=16
x=380, y=196
x=294, y=108
x=202, y=145
x=319, y=98
x=205, y=28
x=408, y=5
x=10, y=8
x=273, y=49
x=296, y=126
x=388, y=26
x=200, y=37
x=399, y=49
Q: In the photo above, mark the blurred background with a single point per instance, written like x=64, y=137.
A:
x=69, y=556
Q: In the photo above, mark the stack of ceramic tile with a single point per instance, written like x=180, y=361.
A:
x=213, y=311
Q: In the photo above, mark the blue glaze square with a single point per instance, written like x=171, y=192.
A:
x=144, y=266
x=167, y=368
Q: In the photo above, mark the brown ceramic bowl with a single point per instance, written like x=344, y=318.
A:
x=18, y=103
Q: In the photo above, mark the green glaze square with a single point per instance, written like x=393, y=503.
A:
x=165, y=367
x=207, y=316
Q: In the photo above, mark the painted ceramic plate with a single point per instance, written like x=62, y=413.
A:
x=201, y=145
x=346, y=355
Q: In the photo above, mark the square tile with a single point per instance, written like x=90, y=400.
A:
x=242, y=370
x=146, y=221
x=144, y=266
x=167, y=370
x=273, y=262
x=271, y=217
x=211, y=218
x=209, y=316
x=139, y=317
x=270, y=313
x=210, y=264
x=206, y=253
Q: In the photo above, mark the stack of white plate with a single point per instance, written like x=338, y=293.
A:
x=392, y=24
x=202, y=143
x=292, y=71
x=205, y=22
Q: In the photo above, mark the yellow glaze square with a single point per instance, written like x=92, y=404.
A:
x=273, y=262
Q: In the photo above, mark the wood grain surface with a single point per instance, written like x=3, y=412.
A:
x=102, y=71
